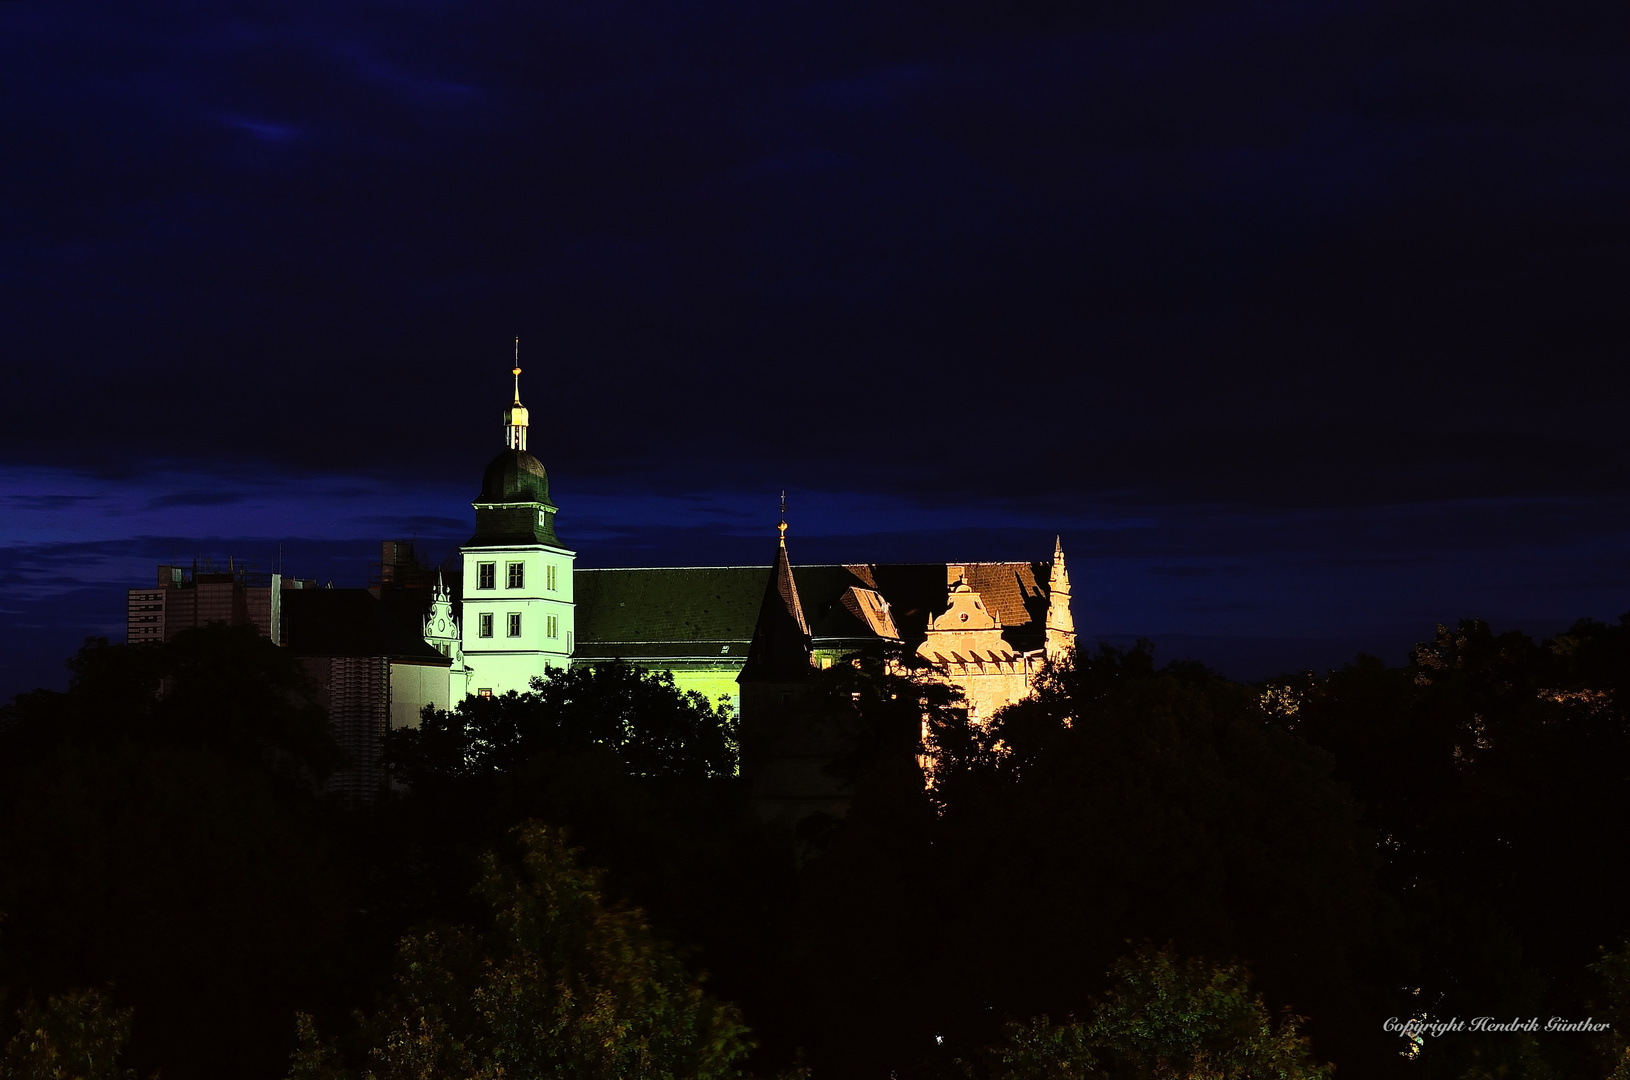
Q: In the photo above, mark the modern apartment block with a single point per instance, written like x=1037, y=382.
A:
x=190, y=596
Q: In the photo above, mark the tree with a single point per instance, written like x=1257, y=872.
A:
x=221, y=688
x=641, y=774
x=1491, y=770
x=1164, y=1019
x=560, y=984
x=1121, y=802
x=160, y=830
x=653, y=727
x=1613, y=972
x=74, y=1036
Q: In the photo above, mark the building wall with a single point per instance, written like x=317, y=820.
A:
x=502, y=663
x=144, y=616
x=179, y=602
x=414, y=686
x=356, y=692
x=717, y=683
x=996, y=687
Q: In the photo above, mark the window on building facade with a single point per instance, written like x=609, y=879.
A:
x=517, y=575
x=549, y=577
x=570, y=647
x=484, y=575
x=485, y=629
x=552, y=626
x=485, y=691
x=515, y=624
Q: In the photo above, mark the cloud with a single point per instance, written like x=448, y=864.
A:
x=195, y=498
x=50, y=503
x=264, y=130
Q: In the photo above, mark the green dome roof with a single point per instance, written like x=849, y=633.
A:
x=515, y=476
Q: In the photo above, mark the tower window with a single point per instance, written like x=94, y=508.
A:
x=549, y=577
x=515, y=624
x=553, y=626
x=484, y=575
x=517, y=575
x=485, y=629
x=570, y=646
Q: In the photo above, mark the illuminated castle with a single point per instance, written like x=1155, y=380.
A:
x=986, y=627
x=518, y=607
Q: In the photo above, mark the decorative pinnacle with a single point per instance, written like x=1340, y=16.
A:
x=517, y=371
x=783, y=526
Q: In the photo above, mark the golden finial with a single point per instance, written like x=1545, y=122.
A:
x=517, y=371
x=783, y=526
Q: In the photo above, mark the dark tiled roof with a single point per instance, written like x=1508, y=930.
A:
x=680, y=604
x=780, y=646
x=349, y=622
x=511, y=506
x=693, y=611
x=1017, y=594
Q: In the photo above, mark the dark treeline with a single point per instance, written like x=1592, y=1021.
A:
x=1142, y=871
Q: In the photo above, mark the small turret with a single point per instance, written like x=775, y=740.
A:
x=441, y=629
x=1060, y=621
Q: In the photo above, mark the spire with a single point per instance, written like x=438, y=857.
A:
x=515, y=416
x=1060, y=621
x=780, y=649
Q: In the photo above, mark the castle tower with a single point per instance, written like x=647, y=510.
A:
x=1060, y=621
x=787, y=738
x=518, y=611
x=780, y=650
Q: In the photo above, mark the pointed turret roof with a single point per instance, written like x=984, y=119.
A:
x=780, y=648
x=1060, y=620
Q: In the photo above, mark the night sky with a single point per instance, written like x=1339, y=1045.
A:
x=1304, y=324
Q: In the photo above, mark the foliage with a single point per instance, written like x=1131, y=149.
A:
x=74, y=1036
x=159, y=830
x=1377, y=841
x=1169, y=1019
x=1613, y=972
x=639, y=773
x=220, y=688
x=887, y=704
x=1042, y=1050
x=313, y=1057
x=1164, y=1019
x=1491, y=770
x=654, y=728
x=561, y=985
x=1121, y=801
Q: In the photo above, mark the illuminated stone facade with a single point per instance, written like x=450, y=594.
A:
x=986, y=627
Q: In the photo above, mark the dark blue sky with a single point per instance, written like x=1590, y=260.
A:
x=1304, y=323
